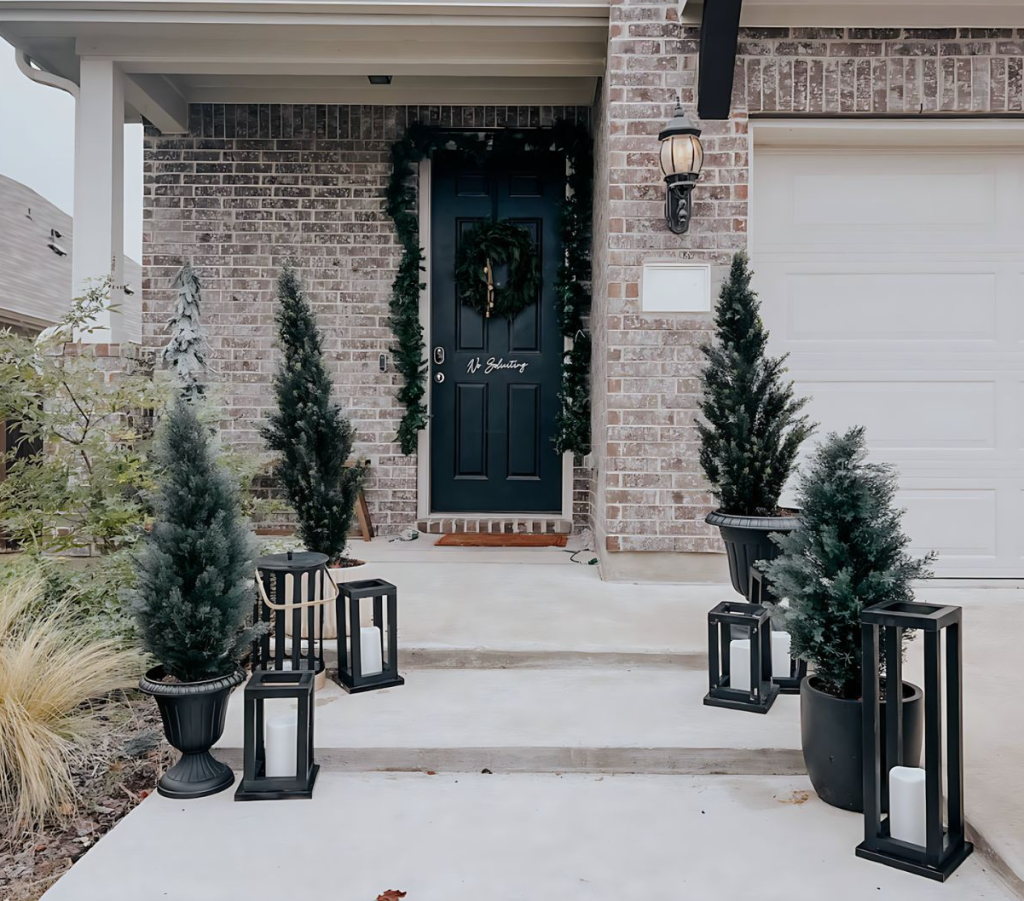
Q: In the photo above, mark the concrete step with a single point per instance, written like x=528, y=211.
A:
x=631, y=719
x=456, y=837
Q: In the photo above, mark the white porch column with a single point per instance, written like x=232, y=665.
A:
x=98, y=243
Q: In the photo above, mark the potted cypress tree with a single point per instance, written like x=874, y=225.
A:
x=195, y=590
x=312, y=437
x=751, y=431
x=850, y=553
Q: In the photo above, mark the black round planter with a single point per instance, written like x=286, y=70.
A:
x=193, y=715
x=831, y=733
x=746, y=541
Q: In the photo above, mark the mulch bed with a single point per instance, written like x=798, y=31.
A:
x=121, y=768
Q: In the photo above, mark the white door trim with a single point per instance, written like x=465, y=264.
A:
x=423, y=500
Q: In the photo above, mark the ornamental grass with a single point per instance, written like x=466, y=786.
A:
x=52, y=675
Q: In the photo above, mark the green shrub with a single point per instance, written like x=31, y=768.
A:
x=195, y=571
x=850, y=553
x=308, y=430
x=752, y=427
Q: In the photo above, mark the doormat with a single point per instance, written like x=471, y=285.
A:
x=495, y=539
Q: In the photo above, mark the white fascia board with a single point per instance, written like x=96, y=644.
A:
x=879, y=14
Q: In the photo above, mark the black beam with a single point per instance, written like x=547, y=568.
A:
x=719, y=33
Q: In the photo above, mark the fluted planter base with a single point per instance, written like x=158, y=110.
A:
x=193, y=715
x=746, y=541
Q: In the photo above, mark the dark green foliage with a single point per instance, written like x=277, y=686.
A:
x=752, y=428
x=497, y=243
x=572, y=283
x=195, y=571
x=308, y=430
x=572, y=422
x=849, y=554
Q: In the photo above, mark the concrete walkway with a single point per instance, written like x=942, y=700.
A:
x=459, y=837
x=528, y=665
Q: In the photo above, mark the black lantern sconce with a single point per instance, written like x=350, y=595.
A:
x=278, y=752
x=682, y=157
x=293, y=590
x=787, y=671
x=368, y=655
x=740, y=670
x=915, y=836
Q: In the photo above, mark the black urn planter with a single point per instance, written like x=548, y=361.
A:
x=831, y=731
x=746, y=542
x=193, y=715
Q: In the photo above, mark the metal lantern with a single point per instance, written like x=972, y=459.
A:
x=368, y=655
x=915, y=836
x=740, y=683
x=789, y=684
x=278, y=759
x=295, y=586
x=682, y=157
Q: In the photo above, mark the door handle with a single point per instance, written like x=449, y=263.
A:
x=439, y=356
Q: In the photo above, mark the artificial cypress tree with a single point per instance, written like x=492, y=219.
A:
x=195, y=569
x=850, y=553
x=185, y=352
x=308, y=430
x=753, y=427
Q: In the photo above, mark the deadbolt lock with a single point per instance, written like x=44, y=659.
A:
x=439, y=377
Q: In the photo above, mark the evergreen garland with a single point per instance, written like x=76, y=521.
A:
x=308, y=430
x=572, y=292
x=186, y=350
x=195, y=570
x=850, y=553
x=752, y=428
x=572, y=422
x=496, y=244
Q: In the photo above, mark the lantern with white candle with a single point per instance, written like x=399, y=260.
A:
x=920, y=834
x=278, y=759
x=740, y=669
x=787, y=671
x=368, y=644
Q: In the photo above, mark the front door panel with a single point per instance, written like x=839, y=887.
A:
x=493, y=412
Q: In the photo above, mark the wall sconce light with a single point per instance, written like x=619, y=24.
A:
x=682, y=157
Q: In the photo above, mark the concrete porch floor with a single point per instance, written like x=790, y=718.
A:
x=521, y=662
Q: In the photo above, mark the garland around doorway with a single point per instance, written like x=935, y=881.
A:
x=572, y=285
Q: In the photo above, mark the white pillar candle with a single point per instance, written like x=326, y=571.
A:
x=280, y=744
x=907, y=805
x=371, y=661
x=781, y=659
x=739, y=664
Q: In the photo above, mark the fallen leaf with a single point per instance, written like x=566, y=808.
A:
x=392, y=894
x=431, y=773
x=798, y=797
x=486, y=771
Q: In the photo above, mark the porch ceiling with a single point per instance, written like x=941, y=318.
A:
x=503, y=51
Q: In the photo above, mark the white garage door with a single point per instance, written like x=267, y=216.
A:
x=894, y=276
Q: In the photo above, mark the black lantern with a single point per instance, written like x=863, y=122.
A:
x=740, y=682
x=789, y=684
x=368, y=655
x=293, y=590
x=914, y=836
x=278, y=753
x=682, y=157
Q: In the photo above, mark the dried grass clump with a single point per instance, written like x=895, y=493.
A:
x=50, y=671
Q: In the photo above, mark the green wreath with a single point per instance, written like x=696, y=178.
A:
x=493, y=244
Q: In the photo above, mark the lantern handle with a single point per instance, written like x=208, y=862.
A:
x=292, y=606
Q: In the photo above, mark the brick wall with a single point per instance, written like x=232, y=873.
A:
x=255, y=184
x=650, y=493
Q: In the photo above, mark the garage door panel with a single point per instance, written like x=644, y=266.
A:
x=907, y=414
x=952, y=522
x=894, y=279
x=870, y=307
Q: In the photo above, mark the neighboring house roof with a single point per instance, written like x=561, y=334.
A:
x=35, y=262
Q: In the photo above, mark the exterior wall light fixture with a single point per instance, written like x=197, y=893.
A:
x=682, y=157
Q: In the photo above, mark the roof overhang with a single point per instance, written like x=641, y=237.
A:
x=545, y=52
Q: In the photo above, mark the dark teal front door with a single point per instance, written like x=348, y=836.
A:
x=494, y=383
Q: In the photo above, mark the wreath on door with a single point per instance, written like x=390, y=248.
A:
x=488, y=246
